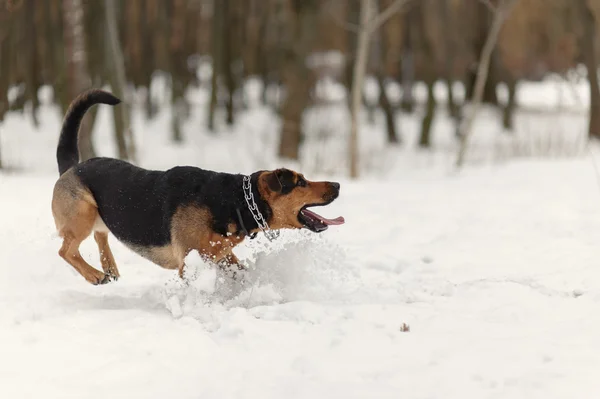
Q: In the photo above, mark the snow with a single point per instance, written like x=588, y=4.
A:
x=494, y=271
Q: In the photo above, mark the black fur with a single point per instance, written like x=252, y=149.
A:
x=137, y=205
x=282, y=181
x=67, y=153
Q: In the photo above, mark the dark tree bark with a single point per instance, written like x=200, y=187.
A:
x=297, y=78
x=262, y=49
x=388, y=111
x=384, y=101
x=425, y=140
x=484, y=23
x=117, y=79
x=466, y=128
x=5, y=57
x=450, y=46
x=175, y=58
x=4, y=82
x=353, y=12
x=407, y=65
x=511, y=105
x=588, y=46
x=32, y=84
x=227, y=50
x=78, y=78
x=216, y=49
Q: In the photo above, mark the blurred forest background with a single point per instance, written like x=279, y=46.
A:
x=289, y=46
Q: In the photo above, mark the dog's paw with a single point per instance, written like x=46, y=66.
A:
x=113, y=276
x=108, y=278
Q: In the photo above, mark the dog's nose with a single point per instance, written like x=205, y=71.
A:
x=336, y=186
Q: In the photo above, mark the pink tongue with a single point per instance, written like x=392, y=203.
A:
x=329, y=222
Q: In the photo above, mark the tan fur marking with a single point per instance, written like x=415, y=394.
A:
x=191, y=230
x=106, y=256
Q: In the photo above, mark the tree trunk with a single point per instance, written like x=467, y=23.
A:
x=227, y=59
x=4, y=84
x=449, y=29
x=178, y=105
x=484, y=23
x=388, y=111
x=425, y=140
x=32, y=83
x=588, y=46
x=216, y=50
x=482, y=72
x=263, y=65
x=177, y=66
x=360, y=66
x=261, y=51
x=407, y=65
x=5, y=57
x=297, y=78
x=78, y=78
x=118, y=83
x=353, y=15
x=509, y=108
x=380, y=74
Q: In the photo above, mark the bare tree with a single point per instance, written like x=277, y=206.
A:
x=427, y=122
x=407, y=62
x=588, y=46
x=450, y=56
x=511, y=104
x=388, y=111
x=216, y=54
x=227, y=60
x=118, y=83
x=466, y=128
x=297, y=77
x=78, y=78
x=366, y=14
x=369, y=22
x=483, y=24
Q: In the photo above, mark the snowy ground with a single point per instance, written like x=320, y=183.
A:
x=494, y=270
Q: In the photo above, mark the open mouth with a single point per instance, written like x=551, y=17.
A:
x=315, y=222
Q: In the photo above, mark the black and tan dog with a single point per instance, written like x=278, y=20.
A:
x=163, y=215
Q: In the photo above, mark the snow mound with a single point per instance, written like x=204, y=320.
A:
x=297, y=267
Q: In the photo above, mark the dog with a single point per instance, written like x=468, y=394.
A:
x=164, y=215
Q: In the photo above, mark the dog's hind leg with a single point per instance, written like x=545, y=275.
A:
x=106, y=257
x=70, y=252
x=73, y=234
x=75, y=212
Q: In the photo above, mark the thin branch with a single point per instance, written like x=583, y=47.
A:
x=360, y=67
x=375, y=23
x=466, y=127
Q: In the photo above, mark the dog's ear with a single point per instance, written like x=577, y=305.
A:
x=274, y=181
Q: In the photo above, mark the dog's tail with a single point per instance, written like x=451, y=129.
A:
x=67, y=153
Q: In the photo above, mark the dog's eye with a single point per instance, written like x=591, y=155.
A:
x=301, y=183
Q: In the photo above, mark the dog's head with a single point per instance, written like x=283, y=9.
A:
x=289, y=196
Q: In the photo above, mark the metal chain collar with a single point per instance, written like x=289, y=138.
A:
x=258, y=217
